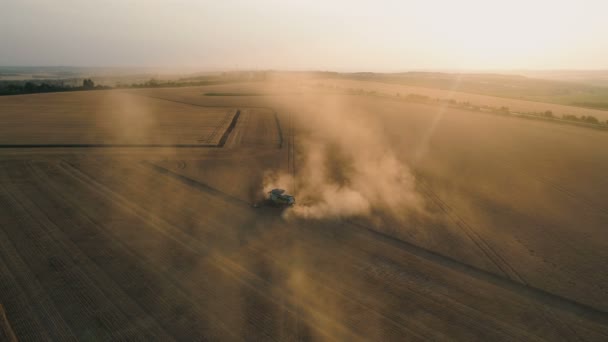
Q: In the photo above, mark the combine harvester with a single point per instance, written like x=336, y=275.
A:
x=279, y=198
x=276, y=198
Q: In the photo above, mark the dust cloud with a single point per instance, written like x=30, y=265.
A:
x=345, y=166
x=127, y=119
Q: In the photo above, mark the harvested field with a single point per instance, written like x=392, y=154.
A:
x=6, y=331
x=476, y=99
x=108, y=118
x=506, y=240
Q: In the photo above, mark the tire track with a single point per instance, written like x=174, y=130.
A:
x=391, y=246
x=196, y=246
x=345, y=300
x=276, y=117
x=162, y=263
x=539, y=295
x=94, y=307
x=396, y=322
x=76, y=236
x=571, y=194
x=368, y=263
x=222, y=236
x=548, y=314
x=257, y=323
x=214, y=192
x=34, y=316
x=147, y=286
x=501, y=264
x=556, y=186
x=6, y=331
x=229, y=129
x=32, y=249
x=225, y=122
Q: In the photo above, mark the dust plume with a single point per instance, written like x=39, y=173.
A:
x=128, y=119
x=345, y=166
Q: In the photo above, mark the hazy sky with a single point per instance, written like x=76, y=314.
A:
x=292, y=34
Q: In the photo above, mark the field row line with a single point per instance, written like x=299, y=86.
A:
x=274, y=112
x=138, y=283
x=487, y=250
x=215, y=192
x=98, y=291
x=189, y=182
x=230, y=268
x=546, y=298
x=537, y=294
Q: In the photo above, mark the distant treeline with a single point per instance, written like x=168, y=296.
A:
x=32, y=87
x=173, y=84
x=51, y=86
x=14, y=88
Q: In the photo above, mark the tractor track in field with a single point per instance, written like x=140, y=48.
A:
x=501, y=264
x=187, y=244
x=391, y=290
x=73, y=270
x=220, y=143
x=538, y=295
x=40, y=318
x=461, y=308
x=105, y=241
x=346, y=299
x=146, y=282
x=456, y=313
x=214, y=192
x=297, y=306
x=37, y=243
x=243, y=276
x=555, y=185
x=229, y=129
x=498, y=260
x=203, y=143
x=196, y=184
x=217, y=192
x=6, y=331
x=274, y=112
x=225, y=123
x=101, y=255
x=276, y=257
x=549, y=315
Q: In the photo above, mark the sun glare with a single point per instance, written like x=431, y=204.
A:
x=510, y=34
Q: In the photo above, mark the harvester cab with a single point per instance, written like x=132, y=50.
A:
x=278, y=197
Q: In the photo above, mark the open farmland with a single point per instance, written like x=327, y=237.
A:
x=108, y=118
x=454, y=93
x=103, y=237
x=566, y=87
